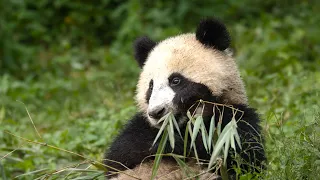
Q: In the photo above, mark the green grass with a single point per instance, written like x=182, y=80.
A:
x=79, y=97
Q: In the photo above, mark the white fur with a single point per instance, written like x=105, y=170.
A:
x=185, y=55
x=162, y=96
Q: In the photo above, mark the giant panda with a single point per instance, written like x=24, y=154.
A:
x=176, y=73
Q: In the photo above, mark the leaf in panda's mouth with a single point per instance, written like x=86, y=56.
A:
x=168, y=122
x=216, y=141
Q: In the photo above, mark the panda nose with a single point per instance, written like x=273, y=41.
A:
x=157, y=113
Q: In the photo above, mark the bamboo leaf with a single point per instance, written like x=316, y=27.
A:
x=185, y=141
x=158, y=157
x=176, y=125
x=236, y=136
x=218, y=147
x=219, y=127
x=226, y=147
x=204, y=135
x=196, y=129
x=196, y=153
x=164, y=125
x=193, y=145
x=164, y=117
x=190, y=132
x=185, y=169
x=232, y=142
x=211, y=132
x=171, y=133
x=189, y=115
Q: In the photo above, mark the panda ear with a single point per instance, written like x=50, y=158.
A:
x=142, y=48
x=213, y=33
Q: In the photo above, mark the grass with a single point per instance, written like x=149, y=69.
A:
x=79, y=104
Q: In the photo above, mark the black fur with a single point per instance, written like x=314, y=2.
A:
x=149, y=92
x=135, y=141
x=142, y=48
x=213, y=33
x=188, y=92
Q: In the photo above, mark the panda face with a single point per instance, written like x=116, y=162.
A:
x=174, y=93
x=183, y=69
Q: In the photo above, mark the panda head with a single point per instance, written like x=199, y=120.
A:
x=179, y=71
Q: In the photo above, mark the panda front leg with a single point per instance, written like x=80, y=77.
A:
x=131, y=146
x=134, y=144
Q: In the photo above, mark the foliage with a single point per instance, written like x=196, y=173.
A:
x=195, y=125
x=70, y=63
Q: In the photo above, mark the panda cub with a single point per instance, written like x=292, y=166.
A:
x=176, y=73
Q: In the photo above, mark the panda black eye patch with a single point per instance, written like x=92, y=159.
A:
x=149, y=91
x=151, y=85
x=175, y=79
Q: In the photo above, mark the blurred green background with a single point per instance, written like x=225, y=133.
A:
x=71, y=64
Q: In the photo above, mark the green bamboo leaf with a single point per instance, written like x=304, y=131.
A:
x=158, y=157
x=189, y=115
x=219, y=127
x=193, y=145
x=176, y=125
x=236, y=136
x=225, y=135
x=164, y=117
x=211, y=132
x=163, y=126
x=190, y=133
x=196, y=129
x=196, y=153
x=204, y=135
x=226, y=147
x=185, y=169
x=171, y=133
x=233, y=146
x=185, y=141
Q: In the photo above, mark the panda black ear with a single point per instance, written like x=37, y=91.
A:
x=142, y=48
x=213, y=33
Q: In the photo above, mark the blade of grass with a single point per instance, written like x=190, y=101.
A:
x=4, y=177
x=97, y=164
x=32, y=172
x=34, y=126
